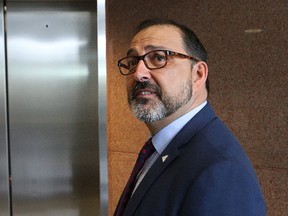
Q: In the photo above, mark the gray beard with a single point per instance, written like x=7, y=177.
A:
x=164, y=105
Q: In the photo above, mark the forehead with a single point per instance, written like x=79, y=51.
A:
x=157, y=37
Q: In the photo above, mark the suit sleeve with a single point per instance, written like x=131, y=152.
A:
x=224, y=189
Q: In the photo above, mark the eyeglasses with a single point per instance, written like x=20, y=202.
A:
x=153, y=60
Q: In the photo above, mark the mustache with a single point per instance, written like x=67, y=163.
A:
x=144, y=85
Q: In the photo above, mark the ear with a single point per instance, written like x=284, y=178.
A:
x=200, y=74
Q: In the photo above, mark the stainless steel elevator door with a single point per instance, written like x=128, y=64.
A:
x=52, y=83
x=4, y=174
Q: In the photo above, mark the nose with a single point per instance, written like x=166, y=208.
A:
x=142, y=73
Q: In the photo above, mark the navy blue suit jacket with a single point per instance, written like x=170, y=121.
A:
x=206, y=173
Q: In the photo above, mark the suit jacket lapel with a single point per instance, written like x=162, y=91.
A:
x=158, y=167
x=172, y=150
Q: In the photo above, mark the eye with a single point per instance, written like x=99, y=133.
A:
x=131, y=62
x=160, y=58
x=156, y=57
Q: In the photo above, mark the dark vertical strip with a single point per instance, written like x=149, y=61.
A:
x=7, y=106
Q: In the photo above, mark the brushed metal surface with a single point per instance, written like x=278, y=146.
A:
x=4, y=173
x=53, y=97
x=102, y=104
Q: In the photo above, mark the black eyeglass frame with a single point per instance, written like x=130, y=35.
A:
x=167, y=53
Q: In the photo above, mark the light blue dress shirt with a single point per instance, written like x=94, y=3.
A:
x=161, y=139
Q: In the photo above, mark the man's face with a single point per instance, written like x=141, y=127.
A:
x=156, y=94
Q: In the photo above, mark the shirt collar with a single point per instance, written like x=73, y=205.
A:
x=165, y=135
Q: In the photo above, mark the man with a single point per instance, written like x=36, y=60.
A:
x=198, y=167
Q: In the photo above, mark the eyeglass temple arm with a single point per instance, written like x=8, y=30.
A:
x=171, y=53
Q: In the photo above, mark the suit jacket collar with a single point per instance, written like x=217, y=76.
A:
x=200, y=120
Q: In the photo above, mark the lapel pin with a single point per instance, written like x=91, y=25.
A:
x=164, y=158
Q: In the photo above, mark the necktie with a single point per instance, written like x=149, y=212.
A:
x=146, y=151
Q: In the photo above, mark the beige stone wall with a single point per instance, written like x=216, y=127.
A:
x=248, y=76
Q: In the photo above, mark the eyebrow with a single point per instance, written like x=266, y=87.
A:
x=148, y=48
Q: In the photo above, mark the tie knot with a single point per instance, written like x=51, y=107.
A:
x=147, y=150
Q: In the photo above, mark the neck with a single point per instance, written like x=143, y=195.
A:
x=156, y=126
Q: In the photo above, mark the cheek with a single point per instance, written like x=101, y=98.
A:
x=172, y=82
x=167, y=86
x=129, y=82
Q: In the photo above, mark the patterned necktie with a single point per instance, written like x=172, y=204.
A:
x=147, y=150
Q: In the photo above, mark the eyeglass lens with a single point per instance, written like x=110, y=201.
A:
x=153, y=60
